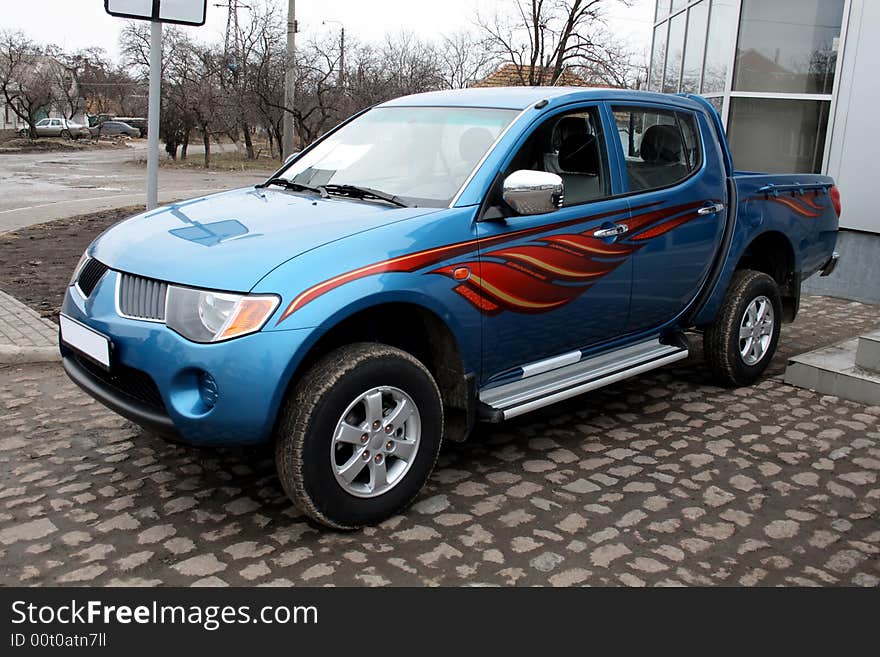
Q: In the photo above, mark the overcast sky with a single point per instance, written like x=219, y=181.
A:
x=75, y=24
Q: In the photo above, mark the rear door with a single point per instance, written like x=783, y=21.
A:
x=676, y=186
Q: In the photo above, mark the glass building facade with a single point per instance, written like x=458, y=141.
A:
x=770, y=67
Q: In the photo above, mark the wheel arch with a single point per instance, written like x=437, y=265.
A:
x=415, y=328
x=772, y=253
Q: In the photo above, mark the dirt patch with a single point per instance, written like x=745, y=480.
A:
x=36, y=262
x=229, y=161
x=45, y=145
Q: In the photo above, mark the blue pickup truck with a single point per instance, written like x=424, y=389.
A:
x=435, y=261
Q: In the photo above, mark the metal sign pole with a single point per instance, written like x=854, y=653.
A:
x=182, y=12
x=153, y=115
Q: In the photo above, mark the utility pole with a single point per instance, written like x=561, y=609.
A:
x=342, y=57
x=290, y=82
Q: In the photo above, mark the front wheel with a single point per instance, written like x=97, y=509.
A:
x=359, y=435
x=65, y=134
x=741, y=341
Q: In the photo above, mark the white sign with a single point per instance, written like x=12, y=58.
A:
x=184, y=12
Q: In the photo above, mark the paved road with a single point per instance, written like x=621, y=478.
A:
x=38, y=187
x=660, y=480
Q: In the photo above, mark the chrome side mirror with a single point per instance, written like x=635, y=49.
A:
x=533, y=192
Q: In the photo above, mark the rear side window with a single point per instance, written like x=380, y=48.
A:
x=660, y=147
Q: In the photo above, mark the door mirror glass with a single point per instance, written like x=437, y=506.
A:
x=530, y=192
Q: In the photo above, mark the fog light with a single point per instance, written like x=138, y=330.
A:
x=208, y=390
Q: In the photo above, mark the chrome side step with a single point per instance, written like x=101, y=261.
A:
x=543, y=388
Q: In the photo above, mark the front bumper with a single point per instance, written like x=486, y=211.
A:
x=226, y=393
x=115, y=397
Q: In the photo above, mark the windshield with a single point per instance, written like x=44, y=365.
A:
x=421, y=155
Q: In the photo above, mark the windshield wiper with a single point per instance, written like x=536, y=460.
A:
x=295, y=186
x=356, y=191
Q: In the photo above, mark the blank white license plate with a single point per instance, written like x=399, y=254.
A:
x=82, y=338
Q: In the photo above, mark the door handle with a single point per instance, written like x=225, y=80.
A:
x=715, y=208
x=614, y=231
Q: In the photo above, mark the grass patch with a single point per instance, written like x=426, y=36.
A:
x=226, y=161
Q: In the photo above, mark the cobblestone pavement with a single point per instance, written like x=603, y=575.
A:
x=24, y=335
x=661, y=480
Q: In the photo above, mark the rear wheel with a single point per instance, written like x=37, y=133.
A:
x=741, y=341
x=359, y=435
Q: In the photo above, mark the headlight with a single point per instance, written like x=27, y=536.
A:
x=76, y=270
x=206, y=316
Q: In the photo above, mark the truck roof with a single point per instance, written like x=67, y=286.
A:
x=519, y=98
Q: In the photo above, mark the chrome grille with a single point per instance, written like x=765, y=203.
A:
x=142, y=298
x=90, y=275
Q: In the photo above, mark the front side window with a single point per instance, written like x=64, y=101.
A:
x=660, y=147
x=422, y=155
x=43, y=123
x=572, y=146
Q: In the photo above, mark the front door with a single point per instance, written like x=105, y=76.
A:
x=546, y=285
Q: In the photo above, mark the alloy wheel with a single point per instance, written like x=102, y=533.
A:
x=375, y=441
x=756, y=330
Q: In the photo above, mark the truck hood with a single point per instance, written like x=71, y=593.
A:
x=229, y=241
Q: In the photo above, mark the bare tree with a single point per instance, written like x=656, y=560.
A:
x=412, y=65
x=265, y=84
x=465, y=57
x=195, y=91
x=27, y=78
x=617, y=66
x=243, y=39
x=73, y=68
x=178, y=69
x=543, y=38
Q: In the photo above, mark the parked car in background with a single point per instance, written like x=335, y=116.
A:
x=114, y=129
x=134, y=122
x=438, y=260
x=54, y=127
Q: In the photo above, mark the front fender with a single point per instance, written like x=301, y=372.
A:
x=325, y=286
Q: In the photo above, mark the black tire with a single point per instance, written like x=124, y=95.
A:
x=309, y=417
x=65, y=134
x=721, y=340
x=24, y=133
